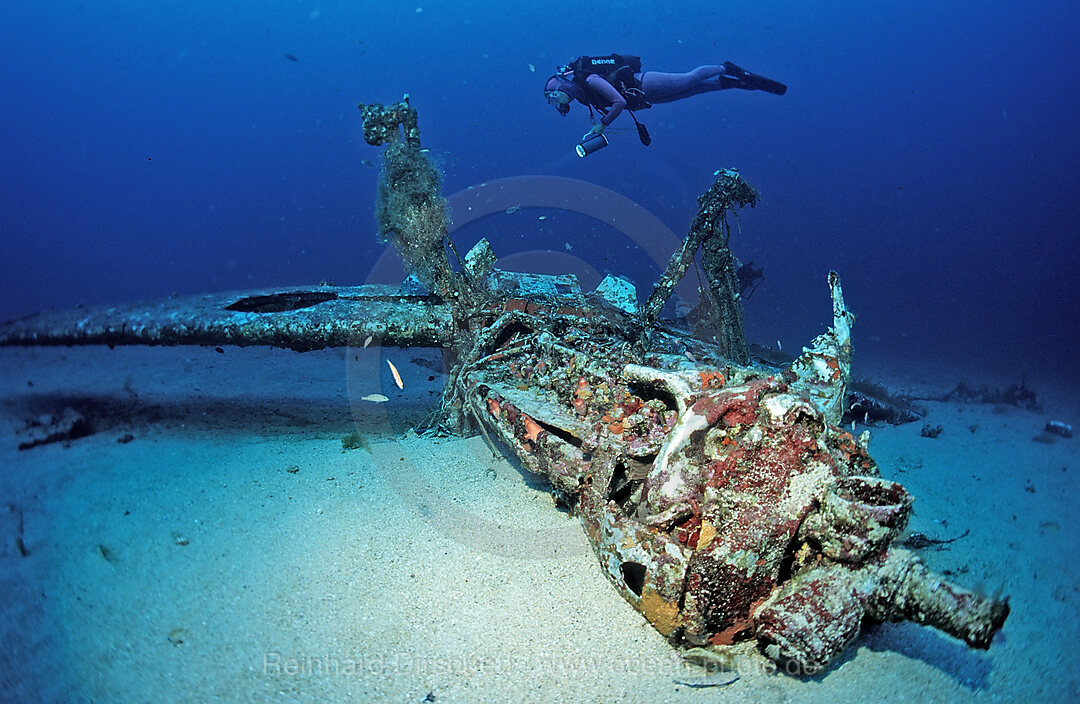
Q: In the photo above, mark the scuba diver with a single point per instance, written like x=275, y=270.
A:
x=614, y=83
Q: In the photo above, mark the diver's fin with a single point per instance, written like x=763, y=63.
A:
x=752, y=81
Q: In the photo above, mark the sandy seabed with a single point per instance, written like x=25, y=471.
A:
x=211, y=540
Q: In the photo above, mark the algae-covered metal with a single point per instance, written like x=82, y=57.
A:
x=723, y=500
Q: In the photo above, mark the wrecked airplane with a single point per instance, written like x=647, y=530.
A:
x=722, y=497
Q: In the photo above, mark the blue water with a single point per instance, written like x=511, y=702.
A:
x=928, y=151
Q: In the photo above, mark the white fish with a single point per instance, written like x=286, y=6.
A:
x=779, y=346
x=375, y=398
x=532, y=68
x=397, y=377
x=368, y=340
x=513, y=209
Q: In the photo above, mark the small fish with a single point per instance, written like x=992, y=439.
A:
x=375, y=398
x=368, y=163
x=542, y=217
x=397, y=377
x=690, y=356
x=368, y=341
x=779, y=346
x=513, y=209
x=532, y=68
x=290, y=57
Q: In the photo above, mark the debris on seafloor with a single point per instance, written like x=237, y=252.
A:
x=723, y=498
x=178, y=636
x=930, y=431
x=13, y=513
x=354, y=441
x=1014, y=395
x=66, y=425
x=1058, y=428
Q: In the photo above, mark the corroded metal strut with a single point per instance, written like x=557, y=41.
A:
x=720, y=311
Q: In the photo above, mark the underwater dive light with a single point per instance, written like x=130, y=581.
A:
x=590, y=145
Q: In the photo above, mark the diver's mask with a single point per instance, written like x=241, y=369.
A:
x=559, y=99
x=556, y=94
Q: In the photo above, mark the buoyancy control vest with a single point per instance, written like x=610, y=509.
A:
x=617, y=69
